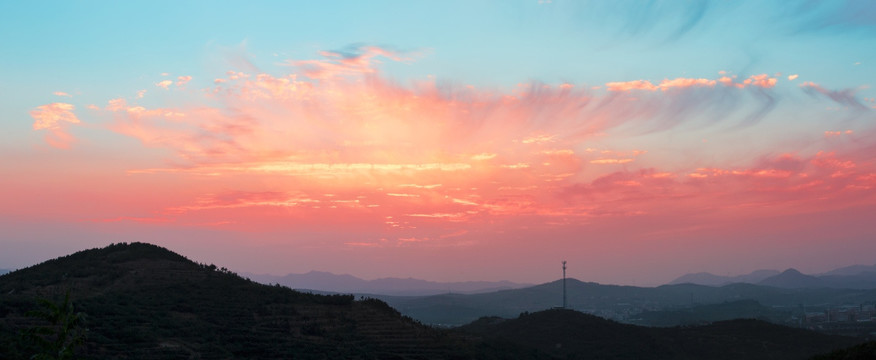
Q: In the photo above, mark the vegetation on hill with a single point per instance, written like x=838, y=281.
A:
x=141, y=301
x=145, y=302
x=703, y=314
x=569, y=334
x=618, y=302
x=865, y=351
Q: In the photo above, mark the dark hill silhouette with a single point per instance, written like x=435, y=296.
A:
x=700, y=314
x=865, y=351
x=793, y=279
x=569, y=334
x=143, y=301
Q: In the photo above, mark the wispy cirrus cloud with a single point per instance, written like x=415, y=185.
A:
x=335, y=140
x=845, y=97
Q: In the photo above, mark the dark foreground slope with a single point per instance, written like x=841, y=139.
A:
x=144, y=302
x=573, y=335
x=865, y=351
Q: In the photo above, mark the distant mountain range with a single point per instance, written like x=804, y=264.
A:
x=3, y=271
x=622, y=303
x=328, y=282
x=850, y=277
x=141, y=301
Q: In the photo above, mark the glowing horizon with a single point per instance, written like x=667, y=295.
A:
x=387, y=160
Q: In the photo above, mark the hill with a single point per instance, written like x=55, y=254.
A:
x=621, y=303
x=328, y=282
x=569, y=334
x=695, y=315
x=865, y=351
x=793, y=279
x=143, y=301
x=849, y=277
x=704, y=278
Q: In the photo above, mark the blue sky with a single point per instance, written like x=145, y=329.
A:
x=661, y=95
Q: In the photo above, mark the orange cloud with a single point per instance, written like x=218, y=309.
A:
x=54, y=117
x=352, y=61
x=334, y=142
x=762, y=80
x=631, y=85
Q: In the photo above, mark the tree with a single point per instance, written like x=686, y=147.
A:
x=64, y=333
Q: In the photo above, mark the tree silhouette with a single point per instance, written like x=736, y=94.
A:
x=62, y=335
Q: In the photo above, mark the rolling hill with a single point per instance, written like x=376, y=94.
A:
x=568, y=334
x=849, y=277
x=704, y=278
x=611, y=301
x=141, y=301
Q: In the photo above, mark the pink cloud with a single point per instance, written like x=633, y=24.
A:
x=685, y=83
x=334, y=148
x=182, y=81
x=54, y=118
x=61, y=93
x=164, y=84
x=762, y=81
x=631, y=85
x=837, y=133
x=354, y=61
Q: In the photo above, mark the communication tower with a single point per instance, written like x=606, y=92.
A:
x=564, y=284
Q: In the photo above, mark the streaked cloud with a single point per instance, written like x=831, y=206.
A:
x=845, y=97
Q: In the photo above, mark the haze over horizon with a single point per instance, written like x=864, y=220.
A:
x=453, y=141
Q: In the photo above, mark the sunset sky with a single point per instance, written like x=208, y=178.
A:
x=448, y=141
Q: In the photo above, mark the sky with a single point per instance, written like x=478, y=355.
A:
x=447, y=141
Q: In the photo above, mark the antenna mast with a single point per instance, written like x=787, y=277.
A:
x=564, y=284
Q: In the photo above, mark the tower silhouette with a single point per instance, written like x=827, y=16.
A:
x=564, y=284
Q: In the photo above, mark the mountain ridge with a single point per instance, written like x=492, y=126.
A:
x=848, y=277
x=143, y=301
x=345, y=283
